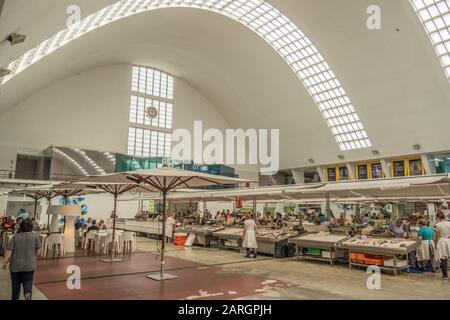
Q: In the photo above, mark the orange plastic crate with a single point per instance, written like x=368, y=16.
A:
x=374, y=262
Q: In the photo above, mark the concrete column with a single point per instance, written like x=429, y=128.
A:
x=351, y=171
x=395, y=211
x=426, y=165
x=299, y=176
x=385, y=167
x=320, y=170
x=279, y=207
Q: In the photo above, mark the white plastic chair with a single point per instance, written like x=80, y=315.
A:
x=78, y=238
x=89, y=239
x=55, y=242
x=129, y=240
x=107, y=243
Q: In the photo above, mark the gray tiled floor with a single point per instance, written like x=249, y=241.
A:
x=309, y=280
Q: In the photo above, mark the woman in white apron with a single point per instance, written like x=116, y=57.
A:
x=426, y=252
x=250, y=236
x=170, y=223
x=443, y=243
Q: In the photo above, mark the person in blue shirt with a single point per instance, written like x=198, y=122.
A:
x=24, y=214
x=425, y=253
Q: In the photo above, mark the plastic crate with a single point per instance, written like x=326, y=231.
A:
x=314, y=251
x=374, y=262
x=358, y=257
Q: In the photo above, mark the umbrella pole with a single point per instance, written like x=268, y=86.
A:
x=163, y=245
x=113, y=259
x=49, y=202
x=35, y=206
x=162, y=275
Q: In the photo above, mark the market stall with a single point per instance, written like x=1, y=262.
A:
x=389, y=254
x=229, y=238
x=151, y=229
x=273, y=242
x=203, y=234
x=321, y=246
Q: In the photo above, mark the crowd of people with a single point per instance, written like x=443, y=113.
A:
x=435, y=240
x=89, y=224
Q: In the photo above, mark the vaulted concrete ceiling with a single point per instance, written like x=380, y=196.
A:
x=393, y=77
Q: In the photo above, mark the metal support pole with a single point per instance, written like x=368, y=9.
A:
x=113, y=259
x=35, y=207
x=162, y=275
x=327, y=206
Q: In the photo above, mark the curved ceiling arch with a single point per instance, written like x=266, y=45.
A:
x=435, y=18
x=266, y=21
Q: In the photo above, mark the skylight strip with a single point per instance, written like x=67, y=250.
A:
x=284, y=36
x=435, y=18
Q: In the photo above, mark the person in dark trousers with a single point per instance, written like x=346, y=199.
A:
x=21, y=254
x=442, y=240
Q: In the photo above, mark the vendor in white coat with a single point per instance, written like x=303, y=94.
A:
x=250, y=236
x=170, y=224
x=443, y=243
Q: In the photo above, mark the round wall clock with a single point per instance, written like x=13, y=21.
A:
x=152, y=112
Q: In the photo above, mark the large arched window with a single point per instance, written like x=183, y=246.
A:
x=150, y=136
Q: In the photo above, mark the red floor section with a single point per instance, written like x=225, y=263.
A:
x=51, y=270
x=195, y=281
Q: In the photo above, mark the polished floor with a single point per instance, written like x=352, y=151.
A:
x=212, y=274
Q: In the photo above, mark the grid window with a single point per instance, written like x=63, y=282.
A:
x=138, y=112
x=150, y=88
x=149, y=143
x=435, y=17
x=270, y=24
x=152, y=82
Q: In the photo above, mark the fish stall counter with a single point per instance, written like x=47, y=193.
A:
x=203, y=234
x=153, y=229
x=322, y=246
x=385, y=253
x=229, y=238
x=270, y=241
x=275, y=242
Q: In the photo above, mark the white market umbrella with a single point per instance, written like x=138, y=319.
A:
x=115, y=184
x=49, y=192
x=167, y=179
x=163, y=180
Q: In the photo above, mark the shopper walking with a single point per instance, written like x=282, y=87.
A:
x=250, y=236
x=442, y=241
x=21, y=254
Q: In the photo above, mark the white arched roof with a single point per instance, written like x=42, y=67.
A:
x=275, y=28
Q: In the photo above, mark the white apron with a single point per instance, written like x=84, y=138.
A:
x=250, y=235
x=443, y=249
x=169, y=227
x=443, y=245
x=426, y=251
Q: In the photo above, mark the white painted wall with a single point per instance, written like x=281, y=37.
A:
x=90, y=110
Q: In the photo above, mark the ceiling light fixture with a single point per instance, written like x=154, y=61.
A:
x=16, y=38
x=417, y=146
x=4, y=72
